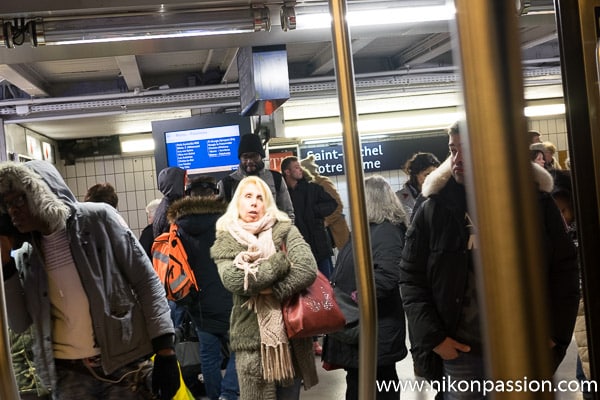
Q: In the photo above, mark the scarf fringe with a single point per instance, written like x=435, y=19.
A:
x=277, y=363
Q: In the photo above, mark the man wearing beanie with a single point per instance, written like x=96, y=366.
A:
x=251, y=154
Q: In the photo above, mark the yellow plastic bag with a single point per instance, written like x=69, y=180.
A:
x=183, y=393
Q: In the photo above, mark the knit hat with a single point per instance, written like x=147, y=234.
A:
x=310, y=164
x=537, y=147
x=250, y=143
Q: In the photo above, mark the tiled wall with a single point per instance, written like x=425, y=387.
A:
x=553, y=130
x=135, y=177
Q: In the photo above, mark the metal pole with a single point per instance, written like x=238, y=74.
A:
x=360, y=228
x=501, y=194
x=8, y=388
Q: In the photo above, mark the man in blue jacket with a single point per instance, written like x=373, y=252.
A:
x=98, y=307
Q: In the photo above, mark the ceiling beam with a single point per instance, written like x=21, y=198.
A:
x=538, y=41
x=130, y=72
x=24, y=78
x=322, y=62
x=425, y=50
x=229, y=65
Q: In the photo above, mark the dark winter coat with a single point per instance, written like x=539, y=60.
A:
x=311, y=205
x=387, y=242
x=196, y=218
x=435, y=262
x=171, y=183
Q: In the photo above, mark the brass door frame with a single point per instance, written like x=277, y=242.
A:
x=361, y=242
x=579, y=33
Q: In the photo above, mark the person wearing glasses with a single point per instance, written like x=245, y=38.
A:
x=97, y=307
x=251, y=154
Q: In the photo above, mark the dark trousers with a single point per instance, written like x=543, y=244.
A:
x=384, y=373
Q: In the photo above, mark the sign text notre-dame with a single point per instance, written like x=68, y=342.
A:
x=377, y=156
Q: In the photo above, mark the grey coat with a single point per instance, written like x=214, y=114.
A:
x=129, y=310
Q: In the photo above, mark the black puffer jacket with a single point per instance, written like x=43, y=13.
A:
x=386, y=242
x=435, y=262
x=196, y=218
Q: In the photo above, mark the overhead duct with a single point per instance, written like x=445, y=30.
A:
x=263, y=79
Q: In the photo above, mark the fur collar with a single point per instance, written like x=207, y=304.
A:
x=194, y=205
x=436, y=181
x=542, y=178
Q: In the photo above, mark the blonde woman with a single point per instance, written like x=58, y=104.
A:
x=263, y=260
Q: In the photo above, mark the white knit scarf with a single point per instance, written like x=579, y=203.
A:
x=275, y=352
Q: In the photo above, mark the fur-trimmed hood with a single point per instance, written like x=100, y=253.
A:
x=542, y=178
x=48, y=196
x=195, y=205
x=436, y=180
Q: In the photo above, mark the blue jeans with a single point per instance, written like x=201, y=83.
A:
x=211, y=359
x=325, y=266
x=467, y=367
x=177, y=313
x=580, y=375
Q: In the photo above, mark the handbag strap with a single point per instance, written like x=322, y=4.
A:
x=283, y=246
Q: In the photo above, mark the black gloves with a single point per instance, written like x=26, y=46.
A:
x=165, y=376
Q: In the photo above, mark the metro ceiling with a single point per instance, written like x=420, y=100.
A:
x=98, y=89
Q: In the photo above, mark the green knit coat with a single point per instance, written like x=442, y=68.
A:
x=285, y=272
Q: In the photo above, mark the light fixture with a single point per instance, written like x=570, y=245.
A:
x=545, y=110
x=133, y=26
x=375, y=124
x=330, y=141
x=137, y=144
x=378, y=16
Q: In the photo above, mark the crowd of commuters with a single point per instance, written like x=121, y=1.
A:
x=253, y=239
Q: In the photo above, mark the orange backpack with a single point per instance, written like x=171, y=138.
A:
x=170, y=262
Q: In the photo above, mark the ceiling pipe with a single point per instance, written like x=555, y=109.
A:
x=132, y=26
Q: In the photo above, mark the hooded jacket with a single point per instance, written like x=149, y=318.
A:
x=435, y=261
x=196, y=218
x=130, y=314
x=171, y=183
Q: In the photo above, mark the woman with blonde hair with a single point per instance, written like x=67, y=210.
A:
x=263, y=260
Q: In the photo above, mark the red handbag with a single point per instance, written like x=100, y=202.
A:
x=314, y=311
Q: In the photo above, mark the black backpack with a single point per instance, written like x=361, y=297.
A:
x=230, y=184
